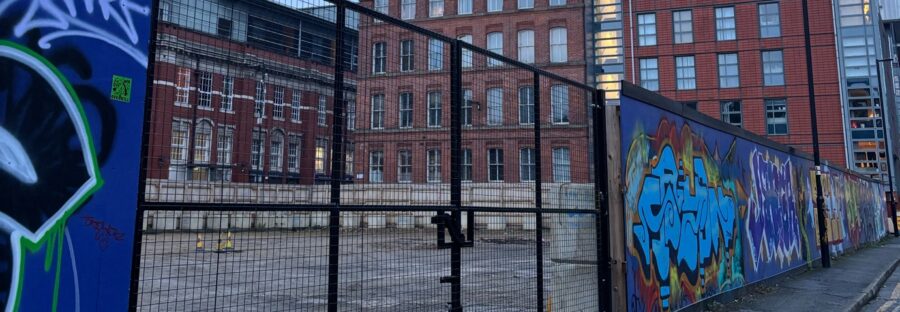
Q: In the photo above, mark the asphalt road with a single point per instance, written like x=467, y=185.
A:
x=380, y=270
x=888, y=298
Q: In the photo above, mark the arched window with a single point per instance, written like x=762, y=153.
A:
x=202, y=142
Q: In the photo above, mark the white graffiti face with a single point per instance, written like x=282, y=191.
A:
x=14, y=160
x=60, y=19
x=47, y=169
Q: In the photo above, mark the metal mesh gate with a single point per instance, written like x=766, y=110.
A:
x=416, y=173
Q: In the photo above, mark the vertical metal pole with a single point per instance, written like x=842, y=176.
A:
x=337, y=158
x=456, y=172
x=601, y=203
x=538, y=193
x=820, y=201
x=887, y=147
x=144, y=163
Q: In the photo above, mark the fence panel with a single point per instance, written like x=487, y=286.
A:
x=418, y=172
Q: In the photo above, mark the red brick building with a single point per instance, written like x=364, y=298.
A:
x=742, y=62
x=403, y=105
x=242, y=92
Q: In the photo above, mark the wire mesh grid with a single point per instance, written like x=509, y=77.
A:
x=268, y=190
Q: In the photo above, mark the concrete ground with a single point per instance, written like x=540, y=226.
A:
x=850, y=283
x=381, y=270
x=888, y=298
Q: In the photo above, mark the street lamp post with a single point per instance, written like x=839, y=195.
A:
x=820, y=201
x=887, y=146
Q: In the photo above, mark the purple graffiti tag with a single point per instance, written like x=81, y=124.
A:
x=772, y=222
x=104, y=233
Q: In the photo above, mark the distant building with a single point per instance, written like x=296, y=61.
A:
x=242, y=92
x=404, y=100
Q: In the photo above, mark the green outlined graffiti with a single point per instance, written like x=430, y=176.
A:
x=30, y=237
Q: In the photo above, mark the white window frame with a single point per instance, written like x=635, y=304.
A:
x=685, y=73
x=557, y=2
x=494, y=106
x=526, y=105
x=495, y=45
x=646, y=29
x=494, y=5
x=183, y=87
x=559, y=45
x=773, y=68
x=729, y=70
x=257, y=150
x=435, y=54
x=203, y=142
x=525, y=4
x=559, y=104
x=562, y=165
x=769, y=28
x=278, y=103
x=526, y=46
x=468, y=98
x=379, y=58
x=405, y=104
x=259, y=101
x=276, y=151
x=683, y=26
x=435, y=110
x=775, y=108
x=204, y=90
x=294, y=147
x=649, y=70
x=726, y=23
x=227, y=94
x=407, y=9
x=404, y=166
x=433, y=175
x=322, y=111
x=376, y=118
x=467, y=55
x=435, y=8
x=296, y=95
x=376, y=167
x=527, y=164
x=407, y=56
x=495, y=165
x=467, y=169
x=224, y=145
x=464, y=7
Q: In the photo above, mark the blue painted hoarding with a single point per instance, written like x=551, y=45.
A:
x=72, y=83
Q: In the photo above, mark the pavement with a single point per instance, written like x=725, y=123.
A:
x=865, y=280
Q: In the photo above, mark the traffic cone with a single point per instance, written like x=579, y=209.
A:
x=229, y=243
x=199, y=242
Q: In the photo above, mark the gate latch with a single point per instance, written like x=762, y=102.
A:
x=455, y=229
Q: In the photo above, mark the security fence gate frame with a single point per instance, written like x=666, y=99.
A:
x=563, y=224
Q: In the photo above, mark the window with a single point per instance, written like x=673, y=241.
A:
x=467, y=107
x=178, y=155
x=466, y=53
x=557, y=2
x=377, y=121
x=278, y=106
x=690, y=104
x=276, y=152
x=407, y=9
x=773, y=68
x=379, y=58
x=295, y=105
x=434, y=109
x=202, y=142
x=257, y=150
x=776, y=116
x=682, y=24
x=495, y=45
x=435, y=54
x=526, y=4
x=769, y=20
x=685, y=77
x=204, y=96
x=406, y=110
x=224, y=27
x=526, y=165
x=464, y=7
x=728, y=70
x=183, y=86
x=267, y=34
x=435, y=8
x=434, y=166
x=382, y=6
x=349, y=155
x=322, y=111
x=321, y=155
x=526, y=46
x=526, y=105
x=731, y=112
x=466, y=174
x=294, y=154
x=646, y=29
x=404, y=166
x=224, y=145
x=259, y=104
x=407, y=63
x=561, y=164
x=558, y=45
x=494, y=5
x=495, y=165
x=495, y=106
x=725, y=24
x=650, y=74
x=376, y=167
x=559, y=103
x=350, y=101
x=227, y=94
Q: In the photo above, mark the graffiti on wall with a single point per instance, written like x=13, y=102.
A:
x=707, y=211
x=68, y=119
x=684, y=210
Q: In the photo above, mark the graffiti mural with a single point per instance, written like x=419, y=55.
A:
x=708, y=211
x=70, y=112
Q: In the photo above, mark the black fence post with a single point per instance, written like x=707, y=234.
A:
x=337, y=158
x=456, y=172
x=144, y=162
x=601, y=199
x=538, y=196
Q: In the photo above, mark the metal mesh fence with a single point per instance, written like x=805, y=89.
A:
x=440, y=176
